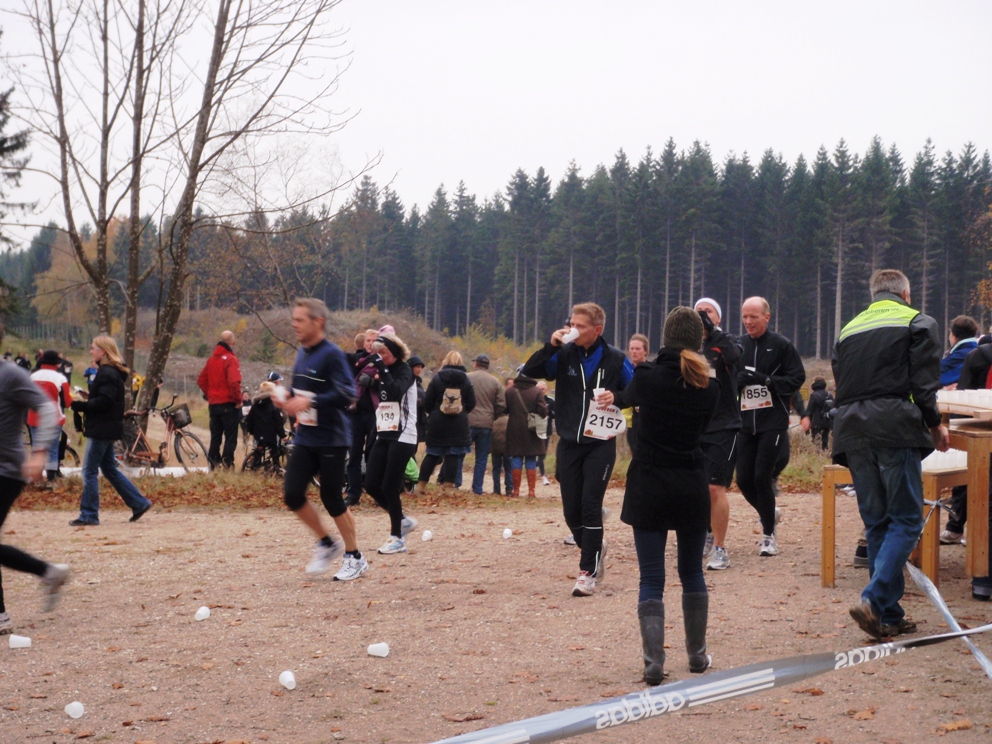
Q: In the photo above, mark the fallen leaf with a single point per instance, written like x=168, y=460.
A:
x=113, y=649
x=207, y=666
x=865, y=715
x=755, y=706
x=810, y=691
x=278, y=693
x=38, y=697
x=84, y=734
x=127, y=723
x=478, y=591
x=118, y=685
x=824, y=740
x=576, y=648
x=11, y=707
x=962, y=725
x=461, y=718
x=155, y=719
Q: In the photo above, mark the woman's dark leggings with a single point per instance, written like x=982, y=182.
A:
x=11, y=557
x=650, y=546
x=384, y=478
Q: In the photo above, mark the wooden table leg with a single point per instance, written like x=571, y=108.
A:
x=977, y=550
x=828, y=528
x=927, y=553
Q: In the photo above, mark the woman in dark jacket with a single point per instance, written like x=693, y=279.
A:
x=522, y=444
x=448, y=400
x=104, y=424
x=396, y=439
x=667, y=487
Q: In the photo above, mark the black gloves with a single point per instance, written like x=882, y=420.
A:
x=708, y=326
x=78, y=406
x=749, y=377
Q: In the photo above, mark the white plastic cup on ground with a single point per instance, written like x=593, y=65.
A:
x=287, y=680
x=507, y=533
x=75, y=709
x=427, y=535
x=202, y=614
x=17, y=641
x=379, y=649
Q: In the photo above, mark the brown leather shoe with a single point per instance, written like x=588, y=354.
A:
x=866, y=619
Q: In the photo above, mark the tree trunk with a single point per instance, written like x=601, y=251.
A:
x=819, y=310
x=668, y=263
x=134, y=221
x=926, y=265
x=637, y=311
x=516, y=284
x=740, y=301
x=692, y=268
x=571, y=279
x=838, y=290
x=537, y=297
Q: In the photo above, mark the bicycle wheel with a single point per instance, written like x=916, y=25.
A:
x=190, y=451
x=71, y=457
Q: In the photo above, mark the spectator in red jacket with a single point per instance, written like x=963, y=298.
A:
x=220, y=382
x=54, y=384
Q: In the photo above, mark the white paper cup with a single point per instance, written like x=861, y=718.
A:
x=202, y=614
x=287, y=680
x=379, y=649
x=427, y=535
x=570, y=336
x=75, y=709
x=507, y=533
x=17, y=641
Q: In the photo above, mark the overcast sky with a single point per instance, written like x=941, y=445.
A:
x=471, y=91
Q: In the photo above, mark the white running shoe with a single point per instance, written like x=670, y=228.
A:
x=768, y=545
x=719, y=560
x=545, y=481
x=708, y=545
x=351, y=568
x=324, y=557
x=585, y=586
x=6, y=624
x=55, y=576
x=570, y=540
x=407, y=525
x=393, y=545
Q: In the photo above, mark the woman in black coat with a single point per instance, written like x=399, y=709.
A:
x=667, y=488
x=523, y=445
x=448, y=400
x=103, y=411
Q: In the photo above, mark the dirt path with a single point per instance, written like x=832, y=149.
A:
x=477, y=625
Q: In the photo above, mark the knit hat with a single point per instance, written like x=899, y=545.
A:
x=683, y=330
x=710, y=301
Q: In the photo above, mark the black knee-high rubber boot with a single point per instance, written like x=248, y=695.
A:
x=695, y=609
x=651, y=614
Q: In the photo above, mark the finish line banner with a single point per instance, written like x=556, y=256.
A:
x=685, y=694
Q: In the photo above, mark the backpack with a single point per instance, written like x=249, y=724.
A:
x=451, y=401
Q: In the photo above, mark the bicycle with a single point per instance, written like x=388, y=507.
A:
x=135, y=448
x=261, y=458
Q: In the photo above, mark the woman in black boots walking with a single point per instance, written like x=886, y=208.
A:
x=667, y=488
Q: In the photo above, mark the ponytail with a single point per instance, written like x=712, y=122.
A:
x=695, y=369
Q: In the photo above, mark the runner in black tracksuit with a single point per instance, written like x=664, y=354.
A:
x=768, y=362
x=583, y=465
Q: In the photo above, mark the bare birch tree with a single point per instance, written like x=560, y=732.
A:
x=183, y=83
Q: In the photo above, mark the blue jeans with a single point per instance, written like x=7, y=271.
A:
x=502, y=467
x=53, y=449
x=650, y=547
x=889, y=483
x=480, y=438
x=100, y=457
x=518, y=462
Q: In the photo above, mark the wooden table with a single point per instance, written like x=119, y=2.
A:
x=927, y=553
x=975, y=438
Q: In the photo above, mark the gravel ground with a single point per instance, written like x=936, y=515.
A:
x=482, y=631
